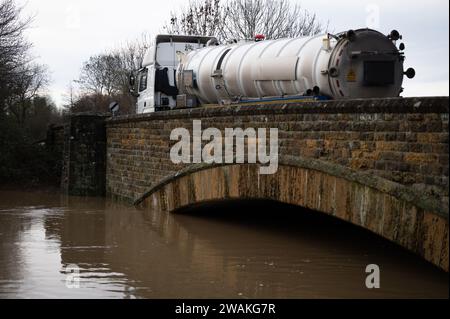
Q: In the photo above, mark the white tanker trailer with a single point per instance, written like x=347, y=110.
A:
x=187, y=71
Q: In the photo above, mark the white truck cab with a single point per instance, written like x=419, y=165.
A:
x=156, y=87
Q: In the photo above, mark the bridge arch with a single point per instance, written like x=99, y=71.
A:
x=398, y=213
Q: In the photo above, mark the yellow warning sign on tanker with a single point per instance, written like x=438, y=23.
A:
x=351, y=76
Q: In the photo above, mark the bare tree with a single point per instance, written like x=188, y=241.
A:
x=70, y=96
x=243, y=19
x=273, y=18
x=28, y=84
x=24, y=112
x=130, y=55
x=98, y=74
x=13, y=46
x=21, y=80
x=106, y=76
x=201, y=17
x=108, y=73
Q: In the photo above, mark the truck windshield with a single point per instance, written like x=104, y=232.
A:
x=143, y=75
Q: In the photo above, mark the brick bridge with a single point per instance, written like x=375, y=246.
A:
x=381, y=164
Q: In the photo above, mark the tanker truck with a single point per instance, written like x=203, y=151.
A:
x=190, y=71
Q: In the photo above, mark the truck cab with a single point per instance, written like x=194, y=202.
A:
x=156, y=81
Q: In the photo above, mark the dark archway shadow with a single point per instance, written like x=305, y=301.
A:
x=296, y=223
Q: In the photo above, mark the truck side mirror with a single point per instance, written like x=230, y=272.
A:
x=132, y=80
x=132, y=83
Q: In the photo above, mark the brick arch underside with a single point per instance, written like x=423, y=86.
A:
x=387, y=209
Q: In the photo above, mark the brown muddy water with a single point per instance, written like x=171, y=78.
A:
x=232, y=250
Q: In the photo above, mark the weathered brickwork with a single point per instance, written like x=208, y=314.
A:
x=402, y=140
x=84, y=165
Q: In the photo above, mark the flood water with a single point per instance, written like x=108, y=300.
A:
x=233, y=250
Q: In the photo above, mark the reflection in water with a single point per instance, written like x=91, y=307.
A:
x=213, y=251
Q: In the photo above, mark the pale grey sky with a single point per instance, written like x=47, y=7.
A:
x=67, y=32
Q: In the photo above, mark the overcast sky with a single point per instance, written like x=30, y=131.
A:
x=67, y=32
